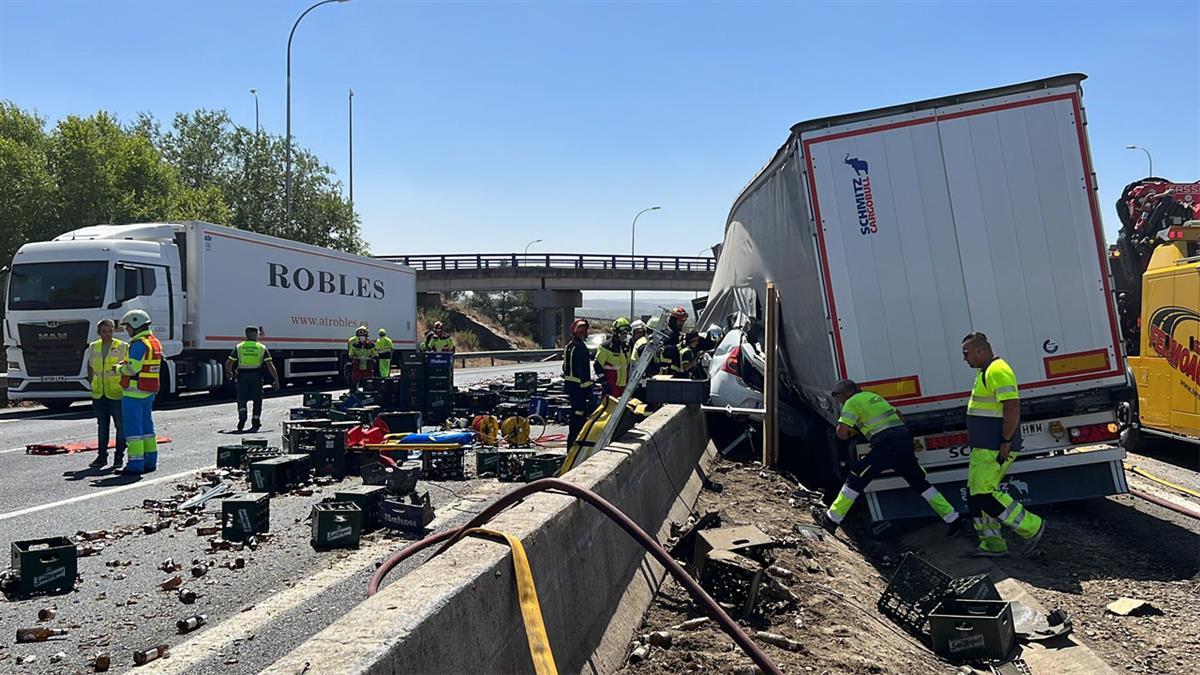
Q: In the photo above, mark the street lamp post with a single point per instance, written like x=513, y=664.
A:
x=351, y=149
x=1149, y=159
x=257, y=126
x=632, y=241
x=535, y=241
x=287, y=181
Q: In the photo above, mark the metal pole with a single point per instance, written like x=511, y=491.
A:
x=287, y=181
x=632, y=241
x=351, y=150
x=1149, y=159
x=771, y=380
x=535, y=241
x=257, y=126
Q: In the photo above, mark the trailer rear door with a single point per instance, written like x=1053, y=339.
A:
x=979, y=216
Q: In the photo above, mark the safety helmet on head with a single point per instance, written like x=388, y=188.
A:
x=679, y=313
x=652, y=323
x=620, y=324
x=383, y=331
x=362, y=330
x=638, y=325
x=579, y=327
x=135, y=318
x=437, y=325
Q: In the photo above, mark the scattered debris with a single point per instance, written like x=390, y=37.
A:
x=58, y=657
x=207, y=531
x=172, y=583
x=47, y=613
x=169, y=565
x=38, y=634
x=1132, y=607
x=191, y=623
x=145, y=656
x=691, y=624
x=89, y=549
x=187, y=596
x=101, y=662
x=639, y=653
x=199, y=571
x=92, y=535
x=780, y=641
x=660, y=638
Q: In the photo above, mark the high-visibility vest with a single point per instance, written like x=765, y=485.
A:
x=383, y=346
x=441, y=344
x=615, y=365
x=362, y=354
x=106, y=383
x=139, y=373
x=995, y=383
x=871, y=413
x=251, y=354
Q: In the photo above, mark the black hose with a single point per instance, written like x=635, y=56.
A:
x=452, y=536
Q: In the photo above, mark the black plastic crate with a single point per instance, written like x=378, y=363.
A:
x=257, y=454
x=412, y=357
x=402, y=422
x=397, y=481
x=914, y=592
x=510, y=466
x=329, y=453
x=336, y=524
x=278, y=474
x=368, y=498
x=439, y=359
x=301, y=436
x=45, y=565
x=318, y=399
x=411, y=514
x=526, y=380
x=245, y=515
x=972, y=629
x=305, y=413
x=543, y=465
x=370, y=384
x=487, y=462
x=255, y=442
x=231, y=456
x=443, y=464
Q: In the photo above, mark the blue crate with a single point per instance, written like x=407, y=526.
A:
x=443, y=359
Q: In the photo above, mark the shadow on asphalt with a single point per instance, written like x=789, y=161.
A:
x=87, y=472
x=115, y=480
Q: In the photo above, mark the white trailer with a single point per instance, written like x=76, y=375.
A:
x=202, y=284
x=893, y=233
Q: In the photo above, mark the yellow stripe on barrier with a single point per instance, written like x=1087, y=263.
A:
x=1146, y=474
x=531, y=609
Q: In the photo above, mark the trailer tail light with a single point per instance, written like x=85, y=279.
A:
x=733, y=362
x=1094, y=433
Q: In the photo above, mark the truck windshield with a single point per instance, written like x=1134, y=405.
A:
x=58, y=285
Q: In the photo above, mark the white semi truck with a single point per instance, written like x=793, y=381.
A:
x=202, y=284
x=891, y=234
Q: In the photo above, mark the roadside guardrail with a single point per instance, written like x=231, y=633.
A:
x=509, y=355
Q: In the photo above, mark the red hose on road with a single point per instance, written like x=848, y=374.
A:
x=631, y=528
x=1163, y=503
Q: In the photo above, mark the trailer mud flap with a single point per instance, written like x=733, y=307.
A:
x=1042, y=480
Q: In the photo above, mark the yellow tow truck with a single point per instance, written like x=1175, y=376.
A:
x=1164, y=362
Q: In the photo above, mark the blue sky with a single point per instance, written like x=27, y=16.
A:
x=482, y=126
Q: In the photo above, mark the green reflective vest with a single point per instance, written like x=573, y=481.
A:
x=106, y=382
x=995, y=383
x=251, y=355
x=870, y=413
x=383, y=346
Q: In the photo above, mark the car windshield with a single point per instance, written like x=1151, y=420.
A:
x=58, y=285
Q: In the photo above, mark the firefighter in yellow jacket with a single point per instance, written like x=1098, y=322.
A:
x=139, y=373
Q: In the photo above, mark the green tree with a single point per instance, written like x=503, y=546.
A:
x=28, y=196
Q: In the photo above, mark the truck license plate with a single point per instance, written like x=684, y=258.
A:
x=942, y=441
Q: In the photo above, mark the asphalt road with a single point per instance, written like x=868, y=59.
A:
x=285, y=593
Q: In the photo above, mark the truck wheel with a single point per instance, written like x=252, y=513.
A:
x=57, y=405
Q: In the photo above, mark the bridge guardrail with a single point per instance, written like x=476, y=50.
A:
x=508, y=355
x=482, y=261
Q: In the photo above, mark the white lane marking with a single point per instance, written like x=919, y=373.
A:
x=240, y=626
x=97, y=495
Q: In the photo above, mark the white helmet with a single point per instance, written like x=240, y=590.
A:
x=135, y=318
x=639, y=325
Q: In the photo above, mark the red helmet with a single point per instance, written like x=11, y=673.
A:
x=679, y=313
x=579, y=327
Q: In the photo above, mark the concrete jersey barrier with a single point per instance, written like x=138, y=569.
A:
x=459, y=612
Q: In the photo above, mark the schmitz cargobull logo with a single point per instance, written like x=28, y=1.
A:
x=1167, y=331
x=864, y=202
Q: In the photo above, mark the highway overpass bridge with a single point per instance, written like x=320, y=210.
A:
x=557, y=280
